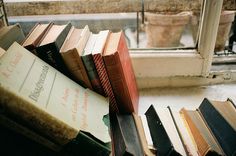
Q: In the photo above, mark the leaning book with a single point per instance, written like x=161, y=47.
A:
x=37, y=97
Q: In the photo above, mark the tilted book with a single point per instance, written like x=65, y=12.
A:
x=38, y=97
x=164, y=135
x=90, y=66
x=35, y=35
x=120, y=72
x=71, y=52
x=220, y=116
x=125, y=135
x=205, y=141
x=49, y=46
x=11, y=34
x=101, y=69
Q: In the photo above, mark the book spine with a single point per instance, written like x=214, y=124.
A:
x=221, y=129
x=92, y=74
x=102, y=73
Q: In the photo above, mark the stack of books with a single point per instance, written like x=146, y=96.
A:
x=208, y=130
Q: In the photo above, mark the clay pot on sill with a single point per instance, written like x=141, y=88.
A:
x=165, y=30
x=226, y=19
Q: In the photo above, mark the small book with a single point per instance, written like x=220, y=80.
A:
x=125, y=135
x=143, y=136
x=38, y=97
x=49, y=46
x=35, y=36
x=184, y=133
x=90, y=66
x=71, y=52
x=11, y=34
x=101, y=69
x=120, y=72
x=205, y=141
x=164, y=135
x=220, y=116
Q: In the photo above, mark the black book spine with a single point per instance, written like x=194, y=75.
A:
x=222, y=130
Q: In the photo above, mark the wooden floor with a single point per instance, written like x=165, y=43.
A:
x=189, y=98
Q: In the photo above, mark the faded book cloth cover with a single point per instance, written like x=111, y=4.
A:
x=40, y=98
x=11, y=34
x=71, y=52
x=125, y=135
x=162, y=140
x=50, y=52
x=120, y=72
x=220, y=116
x=205, y=141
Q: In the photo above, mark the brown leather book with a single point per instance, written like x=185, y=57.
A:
x=121, y=74
x=205, y=141
x=35, y=36
x=71, y=52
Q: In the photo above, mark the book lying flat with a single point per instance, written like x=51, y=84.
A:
x=11, y=34
x=220, y=116
x=205, y=141
x=164, y=135
x=49, y=46
x=35, y=35
x=38, y=97
x=71, y=52
x=125, y=135
x=120, y=72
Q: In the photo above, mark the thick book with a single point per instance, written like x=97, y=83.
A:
x=38, y=97
x=120, y=72
x=90, y=66
x=11, y=34
x=71, y=52
x=125, y=135
x=49, y=46
x=220, y=116
x=205, y=141
x=35, y=36
x=164, y=135
x=101, y=69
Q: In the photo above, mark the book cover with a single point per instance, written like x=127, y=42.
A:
x=120, y=73
x=49, y=46
x=101, y=69
x=47, y=102
x=220, y=116
x=11, y=34
x=205, y=141
x=90, y=66
x=71, y=52
x=35, y=35
x=164, y=135
x=125, y=135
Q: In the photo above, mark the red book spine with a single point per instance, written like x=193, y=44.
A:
x=102, y=73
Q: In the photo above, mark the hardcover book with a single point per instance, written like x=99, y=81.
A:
x=49, y=46
x=120, y=73
x=101, y=69
x=38, y=97
x=220, y=116
x=125, y=135
x=164, y=135
x=11, y=34
x=90, y=66
x=71, y=52
x=205, y=141
x=35, y=36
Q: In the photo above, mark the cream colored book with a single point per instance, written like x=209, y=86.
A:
x=43, y=99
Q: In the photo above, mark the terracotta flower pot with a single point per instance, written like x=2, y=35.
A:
x=226, y=20
x=165, y=30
